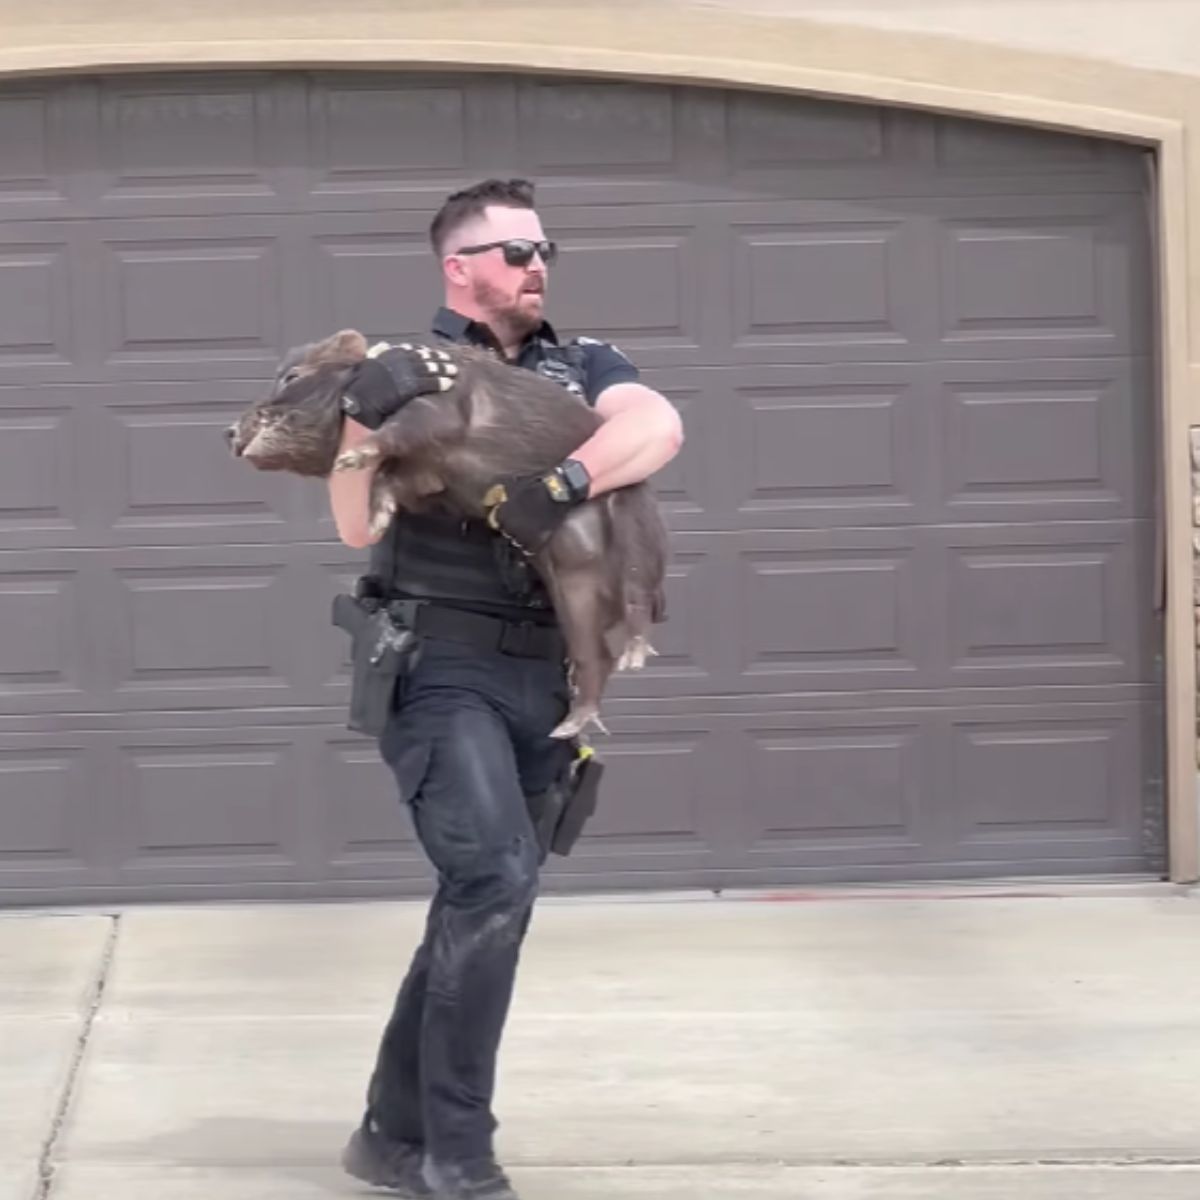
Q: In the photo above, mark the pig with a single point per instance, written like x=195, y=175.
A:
x=604, y=568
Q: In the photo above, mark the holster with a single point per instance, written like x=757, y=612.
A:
x=381, y=650
x=561, y=811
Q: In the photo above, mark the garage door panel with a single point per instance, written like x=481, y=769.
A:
x=1050, y=781
x=800, y=446
x=443, y=131
x=1047, y=603
x=810, y=613
x=768, y=130
x=47, y=827
x=219, y=627
x=569, y=124
x=855, y=784
x=807, y=450
x=139, y=464
x=639, y=279
x=1056, y=270
x=1043, y=440
x=47, y=658
x=370, y=272
x=979, y=152
x=41, y=497
x=39, y=175
x=191, y=297
x=198, y=628
x=810, y=282
x=825, y=611
x=221, y=808
x=36, y=267
x=159, y=138
x=426, y=120
x=46, y=302
x=180, y=475
x=171, y=627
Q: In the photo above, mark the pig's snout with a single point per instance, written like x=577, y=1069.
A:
x=233, y=439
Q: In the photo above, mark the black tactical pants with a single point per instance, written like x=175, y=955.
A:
x=467, y=743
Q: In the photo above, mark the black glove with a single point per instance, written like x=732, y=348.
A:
x=380, y=387
x=529, y=510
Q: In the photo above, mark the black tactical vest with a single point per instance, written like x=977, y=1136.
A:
x=465, y=563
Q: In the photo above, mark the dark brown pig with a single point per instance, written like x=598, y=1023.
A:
x=604, y=567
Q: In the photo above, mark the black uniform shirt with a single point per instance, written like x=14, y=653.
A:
x=455, y=562
x=603, y=363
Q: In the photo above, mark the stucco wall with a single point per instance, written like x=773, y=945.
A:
x=1111, y=67
x=1160, y=35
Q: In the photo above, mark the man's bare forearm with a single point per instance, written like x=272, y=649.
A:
x=350, y=492
x=641, y=433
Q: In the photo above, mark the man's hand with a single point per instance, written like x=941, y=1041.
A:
x=383, y=384
x=528, y=511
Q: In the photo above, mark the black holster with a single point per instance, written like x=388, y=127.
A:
x=561, y=811
x=381, y=652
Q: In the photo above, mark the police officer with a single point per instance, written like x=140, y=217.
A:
x=467, y=735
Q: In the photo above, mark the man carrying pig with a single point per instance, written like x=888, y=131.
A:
x=466, y=734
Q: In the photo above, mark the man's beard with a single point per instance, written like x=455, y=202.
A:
x=505, y=316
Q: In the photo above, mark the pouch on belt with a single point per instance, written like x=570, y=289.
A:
x=561, y=811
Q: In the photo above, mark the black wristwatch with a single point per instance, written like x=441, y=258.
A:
x=574, y=478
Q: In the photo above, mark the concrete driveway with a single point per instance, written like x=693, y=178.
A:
x=840, y=1044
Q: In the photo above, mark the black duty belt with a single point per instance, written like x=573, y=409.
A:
x=521, y=639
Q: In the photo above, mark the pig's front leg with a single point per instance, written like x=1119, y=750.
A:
x=405, y=449
x=413, y=433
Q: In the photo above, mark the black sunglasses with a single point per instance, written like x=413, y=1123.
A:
x=518, y=252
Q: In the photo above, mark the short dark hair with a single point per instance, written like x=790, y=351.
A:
x=470, y=203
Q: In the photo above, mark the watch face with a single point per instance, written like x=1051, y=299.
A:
x=577, y=478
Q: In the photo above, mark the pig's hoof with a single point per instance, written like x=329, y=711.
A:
x=635, y=654
x=381, y=518
x=576, y=721
x=355, y=460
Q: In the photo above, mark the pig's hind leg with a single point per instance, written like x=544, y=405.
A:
x=577, y=575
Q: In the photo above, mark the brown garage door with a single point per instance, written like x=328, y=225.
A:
x=913, y=623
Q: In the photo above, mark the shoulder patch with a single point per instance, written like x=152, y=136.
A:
x=591, y=341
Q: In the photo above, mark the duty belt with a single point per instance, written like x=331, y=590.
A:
x=521, y=639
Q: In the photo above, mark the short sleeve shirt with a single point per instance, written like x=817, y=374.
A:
x=603, y=364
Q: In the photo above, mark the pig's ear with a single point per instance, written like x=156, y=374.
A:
x=347, y=345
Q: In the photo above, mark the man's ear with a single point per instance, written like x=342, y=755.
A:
x=454, y=270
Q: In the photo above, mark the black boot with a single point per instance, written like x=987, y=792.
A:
x=477, y=1179
x=371, y=1157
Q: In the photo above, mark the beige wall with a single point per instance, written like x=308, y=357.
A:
x=1162, y=35
x=1116, y=67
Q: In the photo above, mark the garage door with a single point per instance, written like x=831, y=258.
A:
x=913, y=622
